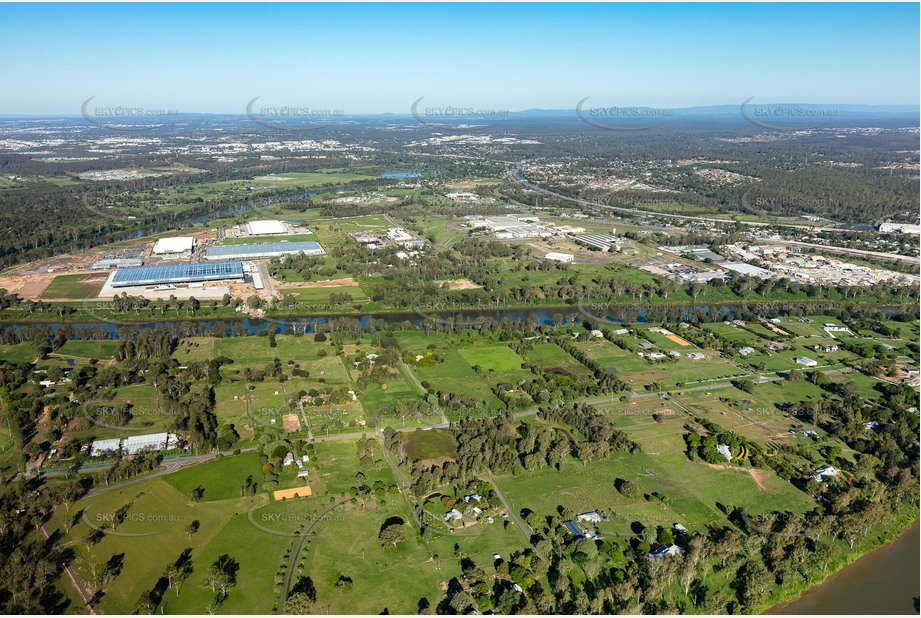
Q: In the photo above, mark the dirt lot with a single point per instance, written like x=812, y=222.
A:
x=333, y=283
x=677, y=339
x=458, y=284
x=290, y=422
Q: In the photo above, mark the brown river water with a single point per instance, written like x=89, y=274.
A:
x=884, y=581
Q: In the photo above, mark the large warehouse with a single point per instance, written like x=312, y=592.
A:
x=176, y=273
x=269, y=227
x=263, y=250
x=177, y=244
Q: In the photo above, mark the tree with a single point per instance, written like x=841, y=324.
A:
x=392, y=532
x=192, y=528
x=298, y=603
x=222, y=575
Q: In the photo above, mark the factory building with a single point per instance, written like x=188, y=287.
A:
x=171, y=246
x=107, y=263
x=263, y=250
x=176, y=273
x=268, y=227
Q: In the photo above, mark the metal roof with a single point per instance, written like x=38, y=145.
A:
x=257, y=249
x=177, y=273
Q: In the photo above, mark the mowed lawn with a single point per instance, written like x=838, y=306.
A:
x=158, y=515
x=693, y=490
x=368, y=223
x=221, y=479
x=19, y=353
x=89, y=349
x=455, y=374
x=74, y=286
x=553, y=359
x=499, y=363
x=322, y=295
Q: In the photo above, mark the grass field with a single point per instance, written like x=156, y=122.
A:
x=19, y=353
x=159, y=514
x=89, y=349
x=74, y=286
x=321, y=295
x=554, y=359
x=367, y=223
x=254, y=240
x=221, y=479
x=694, y=491
x=430, y=444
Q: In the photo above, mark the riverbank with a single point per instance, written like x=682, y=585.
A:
x=882, y=580
x=602, y=313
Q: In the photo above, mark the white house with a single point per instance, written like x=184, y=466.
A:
x=746, y=351
x=826, y=472
x=669, y=550
x=723, y=450
x=805, y=361
x=453, y=515
x=591, y=516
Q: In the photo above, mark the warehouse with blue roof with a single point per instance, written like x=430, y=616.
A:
x=176, y=273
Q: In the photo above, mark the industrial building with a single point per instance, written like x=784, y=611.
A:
x=134, y=444
x=107, y=263
x=263, y=250
x=511, y=226
x=566, y=258
x=604, y=242
x=177, y=244
x=269, y=227
x=176, y=273
x=747, y=269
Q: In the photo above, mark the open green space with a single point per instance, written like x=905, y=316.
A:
x=74, y=286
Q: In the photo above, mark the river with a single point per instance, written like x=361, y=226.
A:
x=884, y=581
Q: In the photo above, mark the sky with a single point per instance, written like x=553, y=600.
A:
x=375, y=58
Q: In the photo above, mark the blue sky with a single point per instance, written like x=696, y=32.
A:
x=369, y=58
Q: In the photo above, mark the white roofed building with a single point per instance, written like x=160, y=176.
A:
x=177, y=244
x=147, y=442
x=267, y=227
x=560, y=257
x=102, y=447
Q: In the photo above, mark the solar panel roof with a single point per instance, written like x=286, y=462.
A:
x=177, y=273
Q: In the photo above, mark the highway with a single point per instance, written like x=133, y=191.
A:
x=515, y=175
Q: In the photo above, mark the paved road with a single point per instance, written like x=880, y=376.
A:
x=515, y=175
x=168, y=466
x=300, y=545
x=75, y=580
x=525, y=529
x=833, y=249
